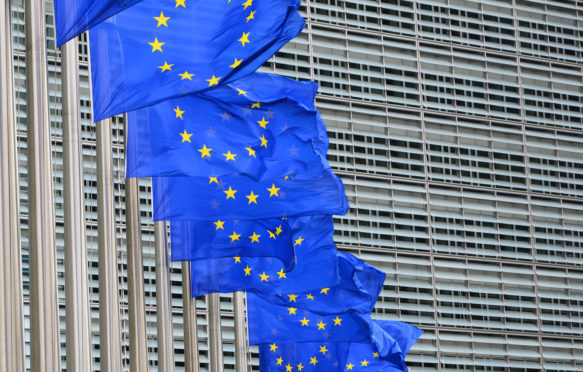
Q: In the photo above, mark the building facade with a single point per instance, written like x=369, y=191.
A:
x=456, y=126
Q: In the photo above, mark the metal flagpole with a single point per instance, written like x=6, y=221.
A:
x=109, y=322
x=190, y=330
x=240, y=332
x=136, y=302
x=11, y=308
x=44, y=323
x=213, y=302
x=163, y=301
x=76, y=282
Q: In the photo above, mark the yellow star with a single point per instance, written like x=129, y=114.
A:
x=323, y=350
x=281, y=274
x=220, y=225
x=256, y=105
x=156, y=45
x=235, y=65
x=165, y=67
x=310, y=297
x=213, y=179
x=241, y=92
x=230, y=156
x=375, y=354
x=273, y=191
x=213, y=81
x=247, y=3
x=230, y=193
x=263, y=123
x=237, y=259
x=300, y=367
x=234, y=237
x=252, y=198
x=313, y=360
x=179, y=112
x=292, y=310
x=271, y=235
x=263, y=141
x=205, y=151
x=279, y=361
x=185, y=136
x=162, y=20
x=247, y=270
x=337, y=321
x=349, y=366
x=273, y=347
x=264, y=277
x=288, y=368
x=186, y=75
x=321, y=325
x=254, y=238
x=251, y=16
x=305, y=322
x=244, y=39
x=324, y=290
x=298, y=241
x=251, y=151
x=278, y=230
x=292, y=297
x=180, y=2
x=364, y=363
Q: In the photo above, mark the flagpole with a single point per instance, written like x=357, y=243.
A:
x=163, y=301
x=215, y=334
x=109, y=318
x=189, y=314
x=136, y=301
x=240, y=332
x=76, y=281
x=44, y=315
x=11, y=308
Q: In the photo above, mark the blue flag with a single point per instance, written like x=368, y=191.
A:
x=316, y=264
x=359, y=287
x=275, y=322
x=73, y=17
x=241, y=197
x=159, y=49
x=262, y=125
x=205, y=240
x=364, y=357
x=339, y=357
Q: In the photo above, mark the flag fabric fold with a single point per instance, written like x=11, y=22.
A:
x=73, y=17
x=316, y=264
x=338, y=357
x=273, y=132
x=158, y=50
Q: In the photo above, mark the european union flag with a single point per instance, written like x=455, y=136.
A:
x=276, y=323
x=262, y=125
x=303, y=357
x=73, y=17
x=160, y=49
x=290, y=322
x=359, y=287
x=338, y=357
x=316, y=265
x=364, y=356
x=206, y=240
x=242, y=197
